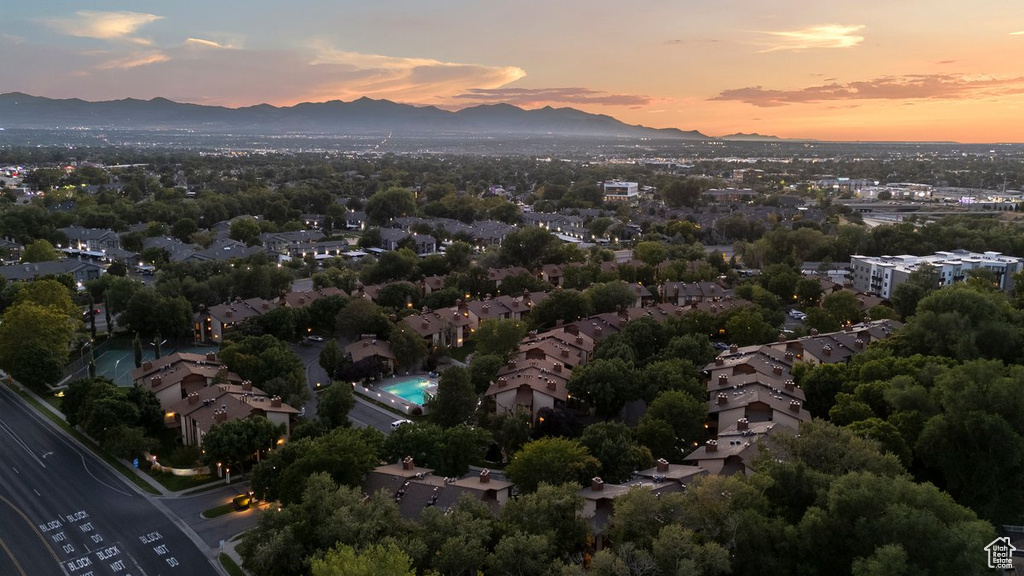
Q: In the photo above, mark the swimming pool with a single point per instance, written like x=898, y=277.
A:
x=411, y=389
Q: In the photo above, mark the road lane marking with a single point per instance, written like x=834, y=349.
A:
x=37, y=492
x=20, y=442
x=36, y=530
x=15, y=470
x=59, y=434
x=13, y=559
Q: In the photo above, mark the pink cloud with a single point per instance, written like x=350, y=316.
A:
x=909, y=87
x=531, y=97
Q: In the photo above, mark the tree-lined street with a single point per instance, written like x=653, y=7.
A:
x=63, y=512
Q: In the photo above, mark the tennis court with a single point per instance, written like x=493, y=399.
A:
x=117, y=363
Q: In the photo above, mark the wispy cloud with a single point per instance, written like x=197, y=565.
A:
x=679, y=41
x=822, y=36
x=134, y=61
x=418, y=80
x=909, y=87
x=104, y=25
x=531, y=97
x=1017, y=33
x=202, y=69
x=203, y=43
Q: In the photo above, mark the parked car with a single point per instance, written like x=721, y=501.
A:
x=317, y=338
x=397, y=423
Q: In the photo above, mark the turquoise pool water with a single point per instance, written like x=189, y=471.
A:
x=411, y=389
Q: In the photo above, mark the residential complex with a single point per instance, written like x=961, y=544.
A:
x=881, y=275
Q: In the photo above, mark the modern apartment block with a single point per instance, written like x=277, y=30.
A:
x=882, y=274
x=617, y=191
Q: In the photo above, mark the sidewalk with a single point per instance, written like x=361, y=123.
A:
x=230, y=548
x=163, y=491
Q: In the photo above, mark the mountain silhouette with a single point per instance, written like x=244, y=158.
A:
x=362, y=116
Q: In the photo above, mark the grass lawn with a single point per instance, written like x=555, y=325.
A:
x=219, y=510
x=229, y=565
x=206, y=487
x=176, y=483
x=114, y=462
x=54, y=401
x=461, y=352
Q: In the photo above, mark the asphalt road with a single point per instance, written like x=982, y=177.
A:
x=63, y=512
x=213, y=530
x=362, y=414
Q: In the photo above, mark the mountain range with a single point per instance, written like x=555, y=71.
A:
x=362, y=116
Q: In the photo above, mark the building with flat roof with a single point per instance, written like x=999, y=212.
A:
x=618, y=191
x=880, y=275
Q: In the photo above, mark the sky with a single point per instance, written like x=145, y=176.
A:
x=905, y=70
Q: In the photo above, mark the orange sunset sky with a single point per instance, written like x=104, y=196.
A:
x=866, y=70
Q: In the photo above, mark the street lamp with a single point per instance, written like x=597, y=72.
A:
x=115, y=368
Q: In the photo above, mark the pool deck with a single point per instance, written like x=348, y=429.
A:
x=375, y=391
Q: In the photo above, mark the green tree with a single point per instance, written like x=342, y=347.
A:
x=361, y=316
x=269, y=364
x=746, y=327
x=39, y=251
x=843, y=306
x=961, y=322
x=521, y=554
x=678, y=550
x=565, y=305
x=376, y=560
x=334, y=404
x=324, y=515
x=119, y=292
x=345, y=454
x=614, y=446
x=611, y=296
x=148, y=313
x=674, y=374
x=781, y=280
x=184, y=228
x=399, y=296
x=683, y=192
x=483, y=369
x=808, y=292
x=458, y=255
x=981, y=415
x=861, y=512
x=34, y=343
x=392, y=203
x=606, y=385
x=684, y=413
x=549, y=510
x=499, y=338
x=245, y=230
x=553, y=461
x=659, y=437
x=821, y=320
x=511, y=431
x=650, y=253
x=51, y=294
x=455, y=400
x=408, y=347
x=888, y=560
x=526, y=247
x=235, y=442
x=332, y=358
